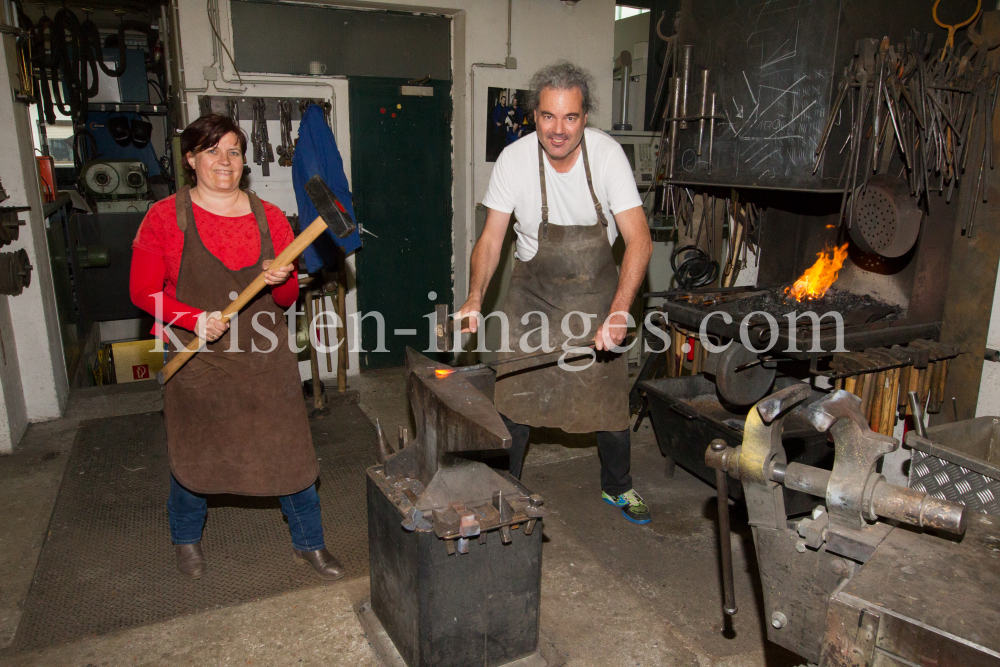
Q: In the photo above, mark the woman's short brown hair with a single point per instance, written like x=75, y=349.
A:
x=205, y=133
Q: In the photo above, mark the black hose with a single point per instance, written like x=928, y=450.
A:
x=42, y=61
x=94, y=38
x=74, y=59
x=66, y=74
x=697, y=270
x=84, y=148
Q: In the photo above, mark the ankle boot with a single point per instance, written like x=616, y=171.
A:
x=190, y=559
x=322, y=561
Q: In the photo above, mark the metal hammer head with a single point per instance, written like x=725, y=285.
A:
x=441, y=328
x=329, y=207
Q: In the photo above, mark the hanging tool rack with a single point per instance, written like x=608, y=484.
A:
x=260, y=110
x=272, y=106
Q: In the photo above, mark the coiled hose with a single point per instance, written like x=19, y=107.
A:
x=696, y=270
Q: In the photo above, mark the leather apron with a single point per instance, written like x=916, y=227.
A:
x=236, y=420
x=573, y=270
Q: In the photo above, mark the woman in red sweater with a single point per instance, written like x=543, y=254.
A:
x=236, y=421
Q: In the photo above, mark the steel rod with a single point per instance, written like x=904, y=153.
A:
x=725, y=541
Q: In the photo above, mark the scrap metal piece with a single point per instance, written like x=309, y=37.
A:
x=415, y=521
x=382, y=449
x=850, y=637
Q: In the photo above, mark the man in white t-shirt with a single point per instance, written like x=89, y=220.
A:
x=572, y=192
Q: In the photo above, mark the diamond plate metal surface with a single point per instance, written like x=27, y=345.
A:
x=108, y=564
x=949, y=481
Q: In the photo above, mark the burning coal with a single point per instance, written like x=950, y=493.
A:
x=817, y=279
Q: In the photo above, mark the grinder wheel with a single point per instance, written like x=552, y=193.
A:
x=886, y=218
x=745, y=387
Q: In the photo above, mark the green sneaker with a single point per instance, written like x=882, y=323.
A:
x=630, y=504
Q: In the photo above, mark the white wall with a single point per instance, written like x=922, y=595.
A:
x=34, y=379
x=542, y=31
x=989, y=385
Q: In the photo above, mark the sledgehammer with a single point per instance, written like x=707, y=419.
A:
x=331, y=217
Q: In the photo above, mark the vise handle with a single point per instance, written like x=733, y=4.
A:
x=725, y=544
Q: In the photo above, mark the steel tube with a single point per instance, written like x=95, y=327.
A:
x=687, y=77
x=626, y=75
x=805, y=478
x=725, y=544
x=711, y=133
x=917, y=413
x=704, y=101
x=673, y=126
x=917, y=509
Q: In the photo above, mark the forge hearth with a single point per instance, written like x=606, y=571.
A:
x=855, y=308
x=868, y=320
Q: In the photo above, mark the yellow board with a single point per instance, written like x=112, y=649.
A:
x=136, y=360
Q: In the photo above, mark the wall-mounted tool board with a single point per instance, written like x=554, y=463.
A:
x=775, y=66
x=244, y=104
x=771, y=68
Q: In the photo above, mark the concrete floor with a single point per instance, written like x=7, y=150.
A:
x=613, y=593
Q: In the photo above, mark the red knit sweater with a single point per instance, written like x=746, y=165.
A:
x=157, y=249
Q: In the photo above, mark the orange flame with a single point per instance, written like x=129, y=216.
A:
x=818, y=278
x=443, y=372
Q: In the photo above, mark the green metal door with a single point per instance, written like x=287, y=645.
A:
x=401, y=175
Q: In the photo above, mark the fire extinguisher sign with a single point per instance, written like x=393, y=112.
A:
x=140, y=372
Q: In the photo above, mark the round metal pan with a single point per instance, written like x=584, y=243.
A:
x=886, y=218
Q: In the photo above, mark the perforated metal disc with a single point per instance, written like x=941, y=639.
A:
x=886, y=219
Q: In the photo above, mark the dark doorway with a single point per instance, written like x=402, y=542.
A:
x=402, y=178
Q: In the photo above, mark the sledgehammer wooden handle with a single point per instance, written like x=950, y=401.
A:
x=286, y=257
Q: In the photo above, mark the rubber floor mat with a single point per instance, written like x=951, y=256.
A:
x=107, y=562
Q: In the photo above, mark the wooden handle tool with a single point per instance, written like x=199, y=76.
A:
x=331, y=218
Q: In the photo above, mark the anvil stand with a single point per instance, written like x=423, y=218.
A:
x=455, y=548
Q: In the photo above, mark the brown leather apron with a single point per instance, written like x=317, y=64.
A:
x=236, y=420
x=573, y=270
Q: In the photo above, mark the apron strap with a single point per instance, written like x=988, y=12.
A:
x=545, y=201
x=257, y=207
x=183, y=204
x=590, y=184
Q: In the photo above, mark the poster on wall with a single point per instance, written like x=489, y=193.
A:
x=508, y=120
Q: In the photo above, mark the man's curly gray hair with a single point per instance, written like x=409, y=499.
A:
x=562, y=75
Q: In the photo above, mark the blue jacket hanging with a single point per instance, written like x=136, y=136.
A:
x=316, y=153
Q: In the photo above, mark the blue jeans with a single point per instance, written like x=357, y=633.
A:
x=187, y=516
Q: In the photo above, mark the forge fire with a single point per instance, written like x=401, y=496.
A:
x=818, y=278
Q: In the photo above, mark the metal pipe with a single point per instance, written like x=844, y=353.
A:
x=804, y=478
x=510, y=8
x=725, y=543
x=917, y=508
x=687, y=76
x=918, y=414
x=626, y=75
x=673, y=125
x=711, y=133
x=704, y=101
